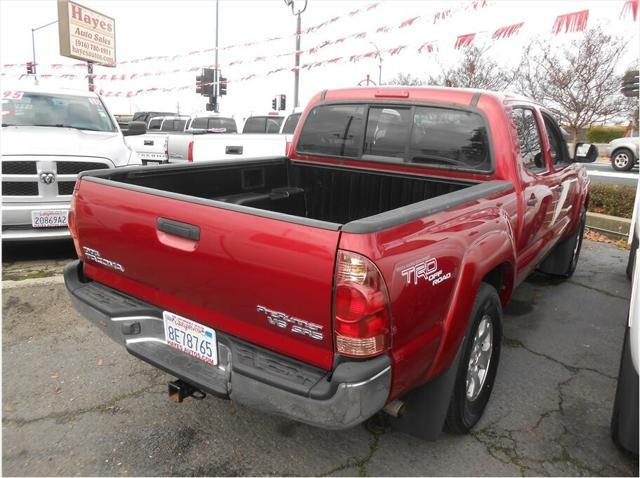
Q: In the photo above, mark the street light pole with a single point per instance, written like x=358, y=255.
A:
x=298, y=12
x=379, y=63
x=216, y=75
x=33, y=45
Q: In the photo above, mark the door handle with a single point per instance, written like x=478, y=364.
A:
x=532, y=201
x=233, y=150
x=148, y=142
x=177, y=228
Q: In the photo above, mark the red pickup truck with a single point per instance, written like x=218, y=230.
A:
x=367, y=270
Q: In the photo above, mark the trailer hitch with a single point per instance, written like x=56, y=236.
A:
x=179, y=390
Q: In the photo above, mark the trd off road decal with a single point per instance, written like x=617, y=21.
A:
x=424, y=269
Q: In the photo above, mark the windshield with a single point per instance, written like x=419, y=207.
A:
x=291, y=123
x=62, y=111
x=215, y=124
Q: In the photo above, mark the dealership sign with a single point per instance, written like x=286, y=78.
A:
x=86, y=34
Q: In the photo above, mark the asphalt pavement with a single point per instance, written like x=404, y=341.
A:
x=74, y=403
x=601, y=172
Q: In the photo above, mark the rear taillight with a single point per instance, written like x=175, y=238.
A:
x=71, y=222
x=362, y=322
x=190, y=152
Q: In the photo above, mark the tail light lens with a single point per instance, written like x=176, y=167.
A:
x=71, y=222
x=362, y=322
x=190, y=152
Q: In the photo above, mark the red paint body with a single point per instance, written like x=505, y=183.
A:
x=243, y=260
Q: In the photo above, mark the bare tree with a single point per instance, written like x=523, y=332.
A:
x=578, y=82
x=406, y=80
x=476, y=69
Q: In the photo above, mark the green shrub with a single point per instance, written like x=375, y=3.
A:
x=612, y=199
x=604, y=134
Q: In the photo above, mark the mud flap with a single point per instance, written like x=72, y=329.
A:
x=427, y=405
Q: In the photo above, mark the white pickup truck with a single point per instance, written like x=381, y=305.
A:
x=48, y=137
x=214, y=147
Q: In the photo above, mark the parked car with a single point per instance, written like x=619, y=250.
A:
x=49, y=136
x=168, y=123
x=624, y=418
x=228, y=146
x=264, y=124
x=365, y=271
x=146, y=116
x=624, y=153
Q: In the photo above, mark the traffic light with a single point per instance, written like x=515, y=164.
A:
x=30, y=68
x=222, y=86
x=204, y=83
x=283, y=102
x=274, y=103
x=630, y=84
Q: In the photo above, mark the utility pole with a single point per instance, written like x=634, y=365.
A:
x=298, y=12
x=216, y=107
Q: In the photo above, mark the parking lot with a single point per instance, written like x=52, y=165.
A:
x=74, y=403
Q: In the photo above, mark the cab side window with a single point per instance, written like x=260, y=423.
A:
x=529, y=139
x=559, y=152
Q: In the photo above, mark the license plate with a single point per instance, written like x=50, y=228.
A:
x=190, y=337
x=152, y=156
x=49, y=218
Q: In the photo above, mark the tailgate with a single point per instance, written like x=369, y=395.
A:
x=242, y=271
x=150, y=147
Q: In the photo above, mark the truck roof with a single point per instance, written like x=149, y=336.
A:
x=461, y=96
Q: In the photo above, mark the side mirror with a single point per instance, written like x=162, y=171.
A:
x=585, y=153
x=136, y=128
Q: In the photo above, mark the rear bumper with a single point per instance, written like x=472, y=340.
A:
x=16, y=222
x=248, y=374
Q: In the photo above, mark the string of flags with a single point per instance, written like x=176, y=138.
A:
x=437, y=17
x=565, y=23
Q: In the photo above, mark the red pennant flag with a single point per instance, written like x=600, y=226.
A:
x=571, y=22
x=408, y=22
x=427, y=47
x=464, y=41
x=439, y=16
x=630, y=8
x=396, y=50
x=506, y=32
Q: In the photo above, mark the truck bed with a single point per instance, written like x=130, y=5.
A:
x=330, y=195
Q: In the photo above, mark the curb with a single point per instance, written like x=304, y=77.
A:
x=41, y=281
x=611, y=225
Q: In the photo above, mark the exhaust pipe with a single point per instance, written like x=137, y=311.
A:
x=179, y=390
x=396, y=408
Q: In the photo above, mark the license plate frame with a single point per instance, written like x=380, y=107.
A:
x=42, y=219
x=202, y=345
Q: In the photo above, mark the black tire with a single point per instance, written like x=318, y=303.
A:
x=631, y=263
x=464, y=412
x=623, y=159
x=563, y=259
x=624, y=416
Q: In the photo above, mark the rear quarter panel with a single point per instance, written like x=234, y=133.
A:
x=429, y=319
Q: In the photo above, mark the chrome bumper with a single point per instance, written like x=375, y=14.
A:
x=16, y=222
x=247, y=374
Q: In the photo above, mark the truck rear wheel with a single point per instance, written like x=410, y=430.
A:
x=479, y=362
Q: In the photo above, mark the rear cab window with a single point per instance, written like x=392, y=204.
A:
x=430, y=136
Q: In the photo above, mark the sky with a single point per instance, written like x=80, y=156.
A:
x=146, y=28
